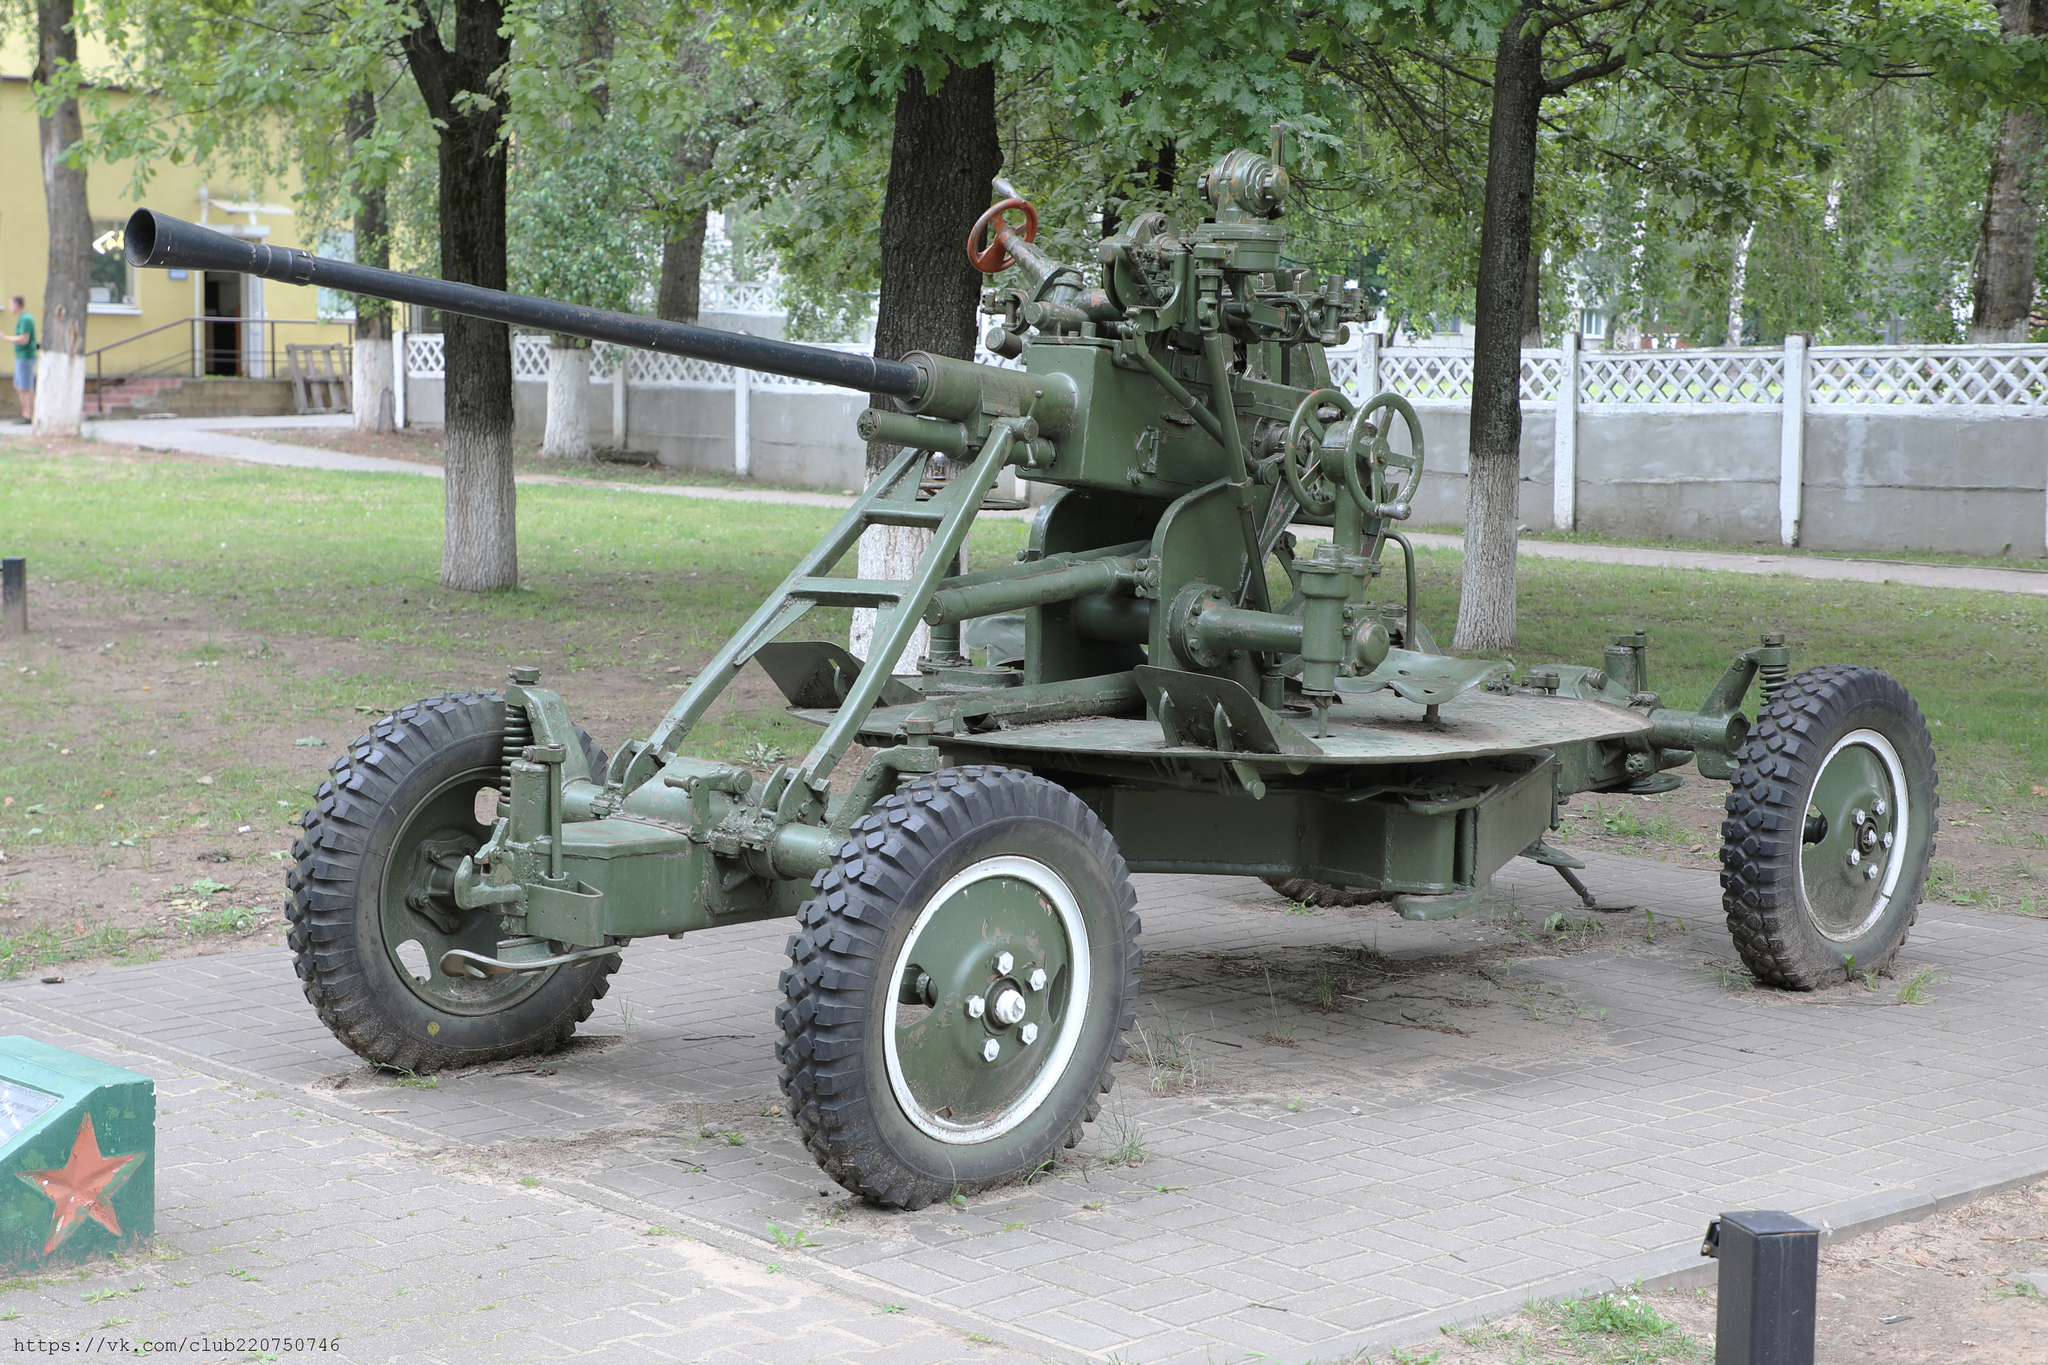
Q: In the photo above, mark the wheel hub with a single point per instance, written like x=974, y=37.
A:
x=1853, y=840
x=995, y=972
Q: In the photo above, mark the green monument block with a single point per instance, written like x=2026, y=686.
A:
x=77, y=1156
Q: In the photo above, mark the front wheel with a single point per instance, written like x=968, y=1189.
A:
x=373, y=900
x=1830, y=828
x=958, y=987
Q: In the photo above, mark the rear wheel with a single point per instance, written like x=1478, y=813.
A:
x=373, y=908
x=959, y=987
x=1831, y=823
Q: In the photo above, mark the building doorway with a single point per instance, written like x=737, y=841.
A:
x=221, y=301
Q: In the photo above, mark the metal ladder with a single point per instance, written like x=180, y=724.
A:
x=891, y=500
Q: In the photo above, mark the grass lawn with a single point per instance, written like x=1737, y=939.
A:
x=208, y=635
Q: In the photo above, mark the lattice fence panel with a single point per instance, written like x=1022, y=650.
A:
x=740, y=296
x=1664, y=378
x=529, y=356
x=1427, y=376
x=1972, y=376
x=424, y=356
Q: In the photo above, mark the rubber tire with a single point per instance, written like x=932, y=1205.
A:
x=1767, y=802
x=866, y=902
x=337, y=936
x=1309, y=892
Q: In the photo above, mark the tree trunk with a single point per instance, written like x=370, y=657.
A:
x=372, y=384
x=60, y=372
x=480, y=548
x=2002, y=275
x=1486, y=605
x=941, y=160
x=568, y=429
x=1532, y=299
x=680, y=296
x=682, y=271
x=1738, y=283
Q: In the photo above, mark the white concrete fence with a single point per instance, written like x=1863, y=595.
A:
x=1868, y=448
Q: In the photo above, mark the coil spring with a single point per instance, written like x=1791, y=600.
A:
x=1774, y=676
x=518, y=735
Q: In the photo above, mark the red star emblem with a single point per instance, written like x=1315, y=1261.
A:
x=83, y=1187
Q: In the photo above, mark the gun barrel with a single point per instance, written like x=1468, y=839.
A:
x=159, y=241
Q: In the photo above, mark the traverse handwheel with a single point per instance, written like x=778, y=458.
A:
x=1303, y=462
x=986, y=246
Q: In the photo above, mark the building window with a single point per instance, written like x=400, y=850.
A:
x=113, y=280
x=334, y=305
x=1592, y=324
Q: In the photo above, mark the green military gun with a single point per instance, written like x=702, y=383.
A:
x=965, y=961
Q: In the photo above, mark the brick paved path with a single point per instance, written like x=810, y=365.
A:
x=1394, y=1125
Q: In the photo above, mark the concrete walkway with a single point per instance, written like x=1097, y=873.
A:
x=1358, y=1129
x=210, y=436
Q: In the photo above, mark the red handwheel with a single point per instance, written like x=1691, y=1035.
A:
x=988, y=241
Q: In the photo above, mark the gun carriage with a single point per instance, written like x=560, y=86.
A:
x=1213, y=679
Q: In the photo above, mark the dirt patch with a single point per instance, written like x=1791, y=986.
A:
x=178, y=753
x=1940, y=1291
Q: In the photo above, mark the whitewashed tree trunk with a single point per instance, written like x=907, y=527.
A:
x=889, y=553
x=568, y=428
x=60, y=394
x=1738, y=280
x=370, y=389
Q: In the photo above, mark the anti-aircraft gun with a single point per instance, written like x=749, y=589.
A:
x=1209, y=683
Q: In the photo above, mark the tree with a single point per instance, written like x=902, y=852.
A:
x=374, y=370
x=2003, y=274
x=1747, y=69
x=459, y=86
x=60, y=370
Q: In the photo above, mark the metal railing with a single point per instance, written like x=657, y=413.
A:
x=247, y=348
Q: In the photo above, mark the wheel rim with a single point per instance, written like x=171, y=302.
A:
x=1853, y=845
x=419, y=920
x=935, y=1039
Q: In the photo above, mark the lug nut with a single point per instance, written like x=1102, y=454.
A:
x=1859, y=818
x=1009, y=1007
x=991, y=1050
x=975, y=1005
x=1878, y=805
x=1870, y=873
x=1029, y=1033
x=1003, y=964
x=1887, y=838
x=1855, y=857
x=1037, y=978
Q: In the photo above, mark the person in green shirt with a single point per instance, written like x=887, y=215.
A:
x=24, y=340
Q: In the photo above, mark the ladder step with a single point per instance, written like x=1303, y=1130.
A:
x=896, y=514
x=849, y=592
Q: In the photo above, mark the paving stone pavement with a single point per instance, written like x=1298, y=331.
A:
x=1395, y=1125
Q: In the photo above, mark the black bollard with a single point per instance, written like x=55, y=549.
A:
x=13, y=596
x=1770, y=1280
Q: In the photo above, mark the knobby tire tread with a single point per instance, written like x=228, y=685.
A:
x=328, y=856
x=1766, y=814
x=836, y=952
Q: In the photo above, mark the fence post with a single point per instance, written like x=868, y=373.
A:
x=1792, y=441
x=624, y=362
x=742, y=423
x=398, y=371
x=1564, y=450
x=1370, y=371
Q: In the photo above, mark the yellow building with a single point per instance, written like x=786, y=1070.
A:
x=152, y=333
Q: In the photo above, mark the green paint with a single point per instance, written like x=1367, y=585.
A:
x=77, y=1156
